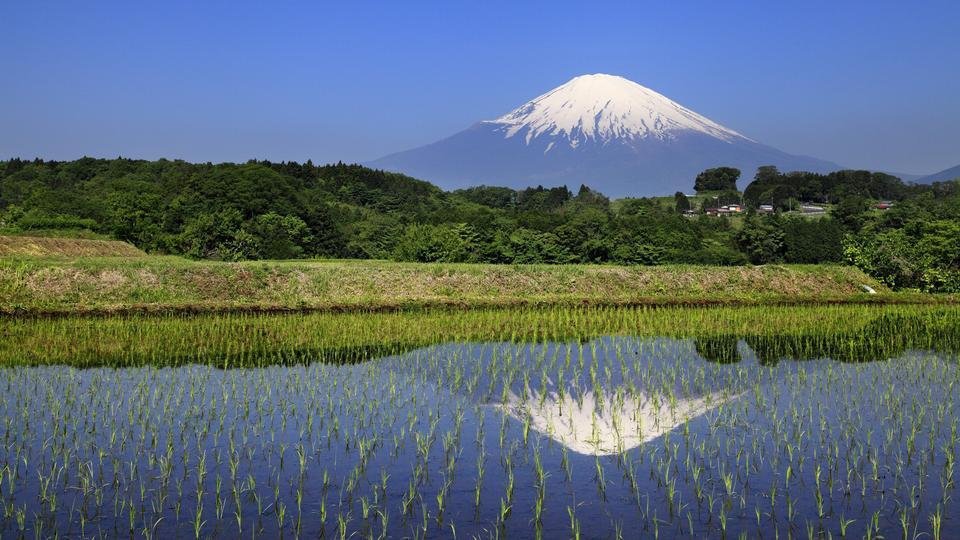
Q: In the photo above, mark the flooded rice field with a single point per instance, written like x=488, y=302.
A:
x=793, y=423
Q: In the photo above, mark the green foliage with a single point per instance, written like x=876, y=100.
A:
x=850, y=212
x=762, y=240
x=436, y=243
x=587, y=197
x=10, y=217
x=526, y=246
x=276, y=237
x=773, y=187
x=541, y=199
x=938, y=243
x=373, y=237
x=918, y=255
x=224, y=236
x=941, y=280
x=890, y=257
x=494, y=197
x=717, y=179
x=637, y=253
x=214, y=236
x=812, y=240
x=584, y=235
x=37, y=219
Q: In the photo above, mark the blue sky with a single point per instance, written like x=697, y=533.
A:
x=864, y=84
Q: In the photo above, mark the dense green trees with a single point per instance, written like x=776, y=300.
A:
x=456, y=242
x=261, y=210
x=913, y=244
x=795, y=239
x=761, y=239
x=923, y=254
x=225, y=235
x=812, y=240
x=770, y=186
x=717, y=179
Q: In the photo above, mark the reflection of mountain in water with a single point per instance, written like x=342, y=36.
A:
x=607, y=423
x=615, y=393
x=598, y=397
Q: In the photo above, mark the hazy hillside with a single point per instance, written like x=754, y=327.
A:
x=945, y=175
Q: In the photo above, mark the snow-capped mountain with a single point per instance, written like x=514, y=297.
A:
x=601, y=130
x=604, y=108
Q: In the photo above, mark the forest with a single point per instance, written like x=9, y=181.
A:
x=266, y=210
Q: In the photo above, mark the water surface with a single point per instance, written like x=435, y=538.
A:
x=615, y=435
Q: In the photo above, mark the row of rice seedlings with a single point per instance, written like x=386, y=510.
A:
x=255, y=340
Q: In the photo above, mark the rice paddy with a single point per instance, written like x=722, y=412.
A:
x=563, y=422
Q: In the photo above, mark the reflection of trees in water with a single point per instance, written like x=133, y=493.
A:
x=342, y=355
x=719, y=349
x=885, y=337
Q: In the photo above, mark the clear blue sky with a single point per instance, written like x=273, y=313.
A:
x=865, y=84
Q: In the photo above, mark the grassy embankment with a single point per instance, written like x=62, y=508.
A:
x=45, y=276
x=16, y=246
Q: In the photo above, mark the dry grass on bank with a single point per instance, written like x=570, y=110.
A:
x=35, y=246
x=43, y=284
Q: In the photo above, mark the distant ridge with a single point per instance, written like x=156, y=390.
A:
x=943, y=176
x=606, y=131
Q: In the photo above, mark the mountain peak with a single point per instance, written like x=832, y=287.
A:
x=602, y=130
x=604, y=108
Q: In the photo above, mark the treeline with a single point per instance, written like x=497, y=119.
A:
x=913, y=243
x=770, y=186
x=265, y=210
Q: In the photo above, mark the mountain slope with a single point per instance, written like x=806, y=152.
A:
x=606, y=131
x=943, y=176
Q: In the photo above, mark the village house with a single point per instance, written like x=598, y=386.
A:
x=724, y=210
